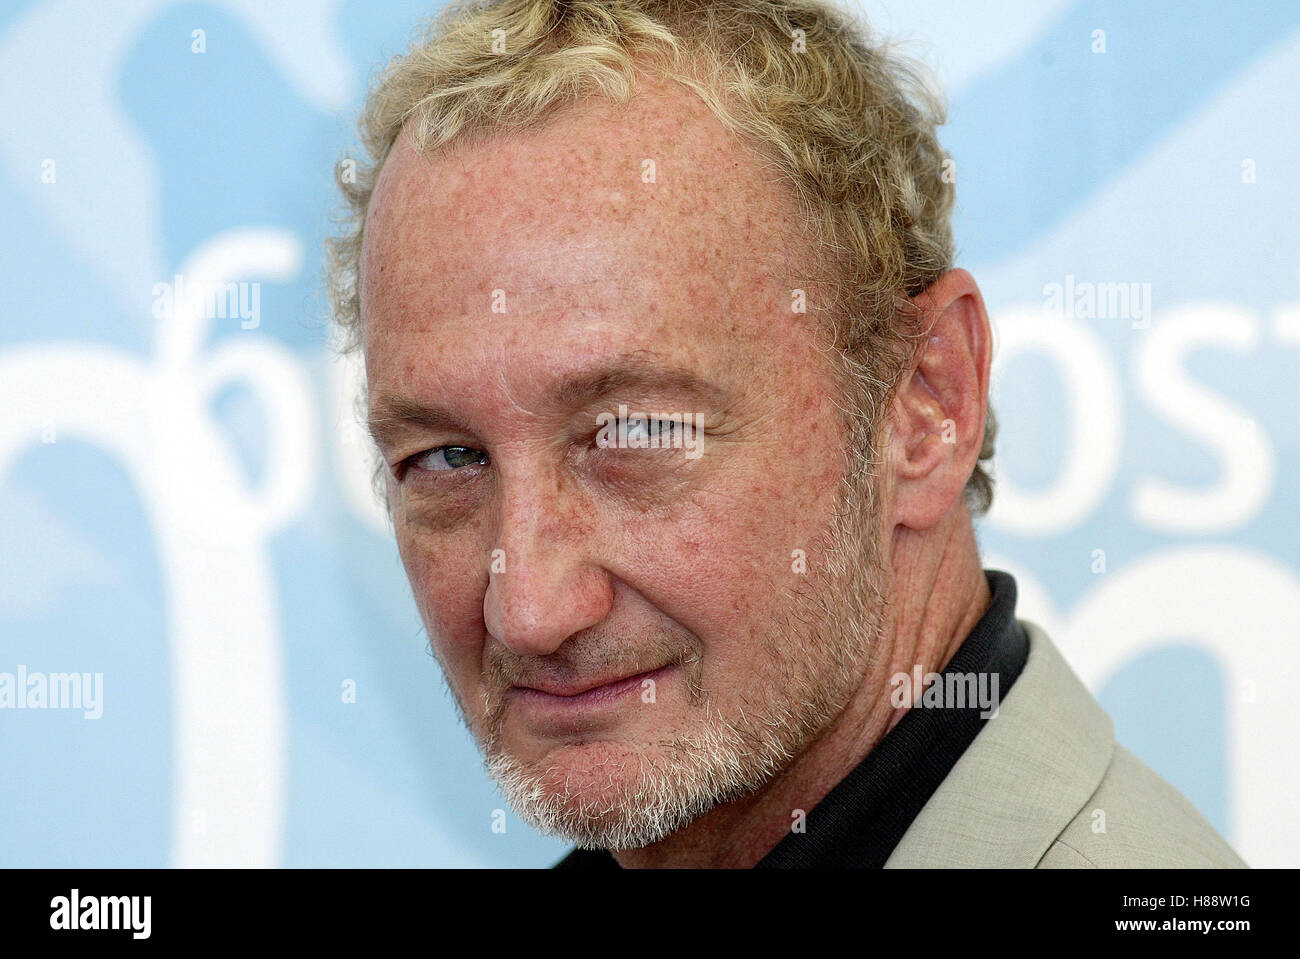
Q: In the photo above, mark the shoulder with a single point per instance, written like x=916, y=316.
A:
x=1135, y=819
x=1045, y=785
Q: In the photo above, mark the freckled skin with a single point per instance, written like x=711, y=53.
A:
x=610, y=551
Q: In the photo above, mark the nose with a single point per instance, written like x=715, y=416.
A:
x=545, y=583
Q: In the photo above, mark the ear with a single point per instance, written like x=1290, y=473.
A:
x=936, y=422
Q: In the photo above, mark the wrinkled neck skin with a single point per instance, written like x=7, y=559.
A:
x=936, y=594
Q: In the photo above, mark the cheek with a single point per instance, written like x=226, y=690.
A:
x=448, y=587
x=733, y=559
x=726, y=565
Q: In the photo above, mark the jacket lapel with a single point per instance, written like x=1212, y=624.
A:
x=1023, y=779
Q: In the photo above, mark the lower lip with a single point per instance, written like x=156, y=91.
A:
x=585, y=703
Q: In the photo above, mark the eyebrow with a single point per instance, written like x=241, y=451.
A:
x=392, y=415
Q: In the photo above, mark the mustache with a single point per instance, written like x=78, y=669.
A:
x=582, y=657
x=589, y=656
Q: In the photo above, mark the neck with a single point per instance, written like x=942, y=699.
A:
x=937, y=593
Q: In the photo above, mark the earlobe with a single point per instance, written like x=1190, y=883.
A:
x=937, y=418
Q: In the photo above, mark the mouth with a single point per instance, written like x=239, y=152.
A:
x=584, y=699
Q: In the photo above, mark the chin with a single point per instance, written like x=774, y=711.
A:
x=599, y=774
x=606, y=795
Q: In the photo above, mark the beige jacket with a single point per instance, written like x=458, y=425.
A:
x=1045, y=785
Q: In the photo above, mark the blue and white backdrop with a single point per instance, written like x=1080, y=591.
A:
x=185, y=520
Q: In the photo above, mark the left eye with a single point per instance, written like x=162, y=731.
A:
x=662, y=430
x=448, y=458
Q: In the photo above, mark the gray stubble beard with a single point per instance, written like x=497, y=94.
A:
x=841, y=613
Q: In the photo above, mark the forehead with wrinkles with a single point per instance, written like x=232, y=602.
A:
x=642, y=226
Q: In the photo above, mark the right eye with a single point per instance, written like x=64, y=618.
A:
x=442, y=459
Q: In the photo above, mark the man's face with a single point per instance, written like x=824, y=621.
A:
x=632, y=634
